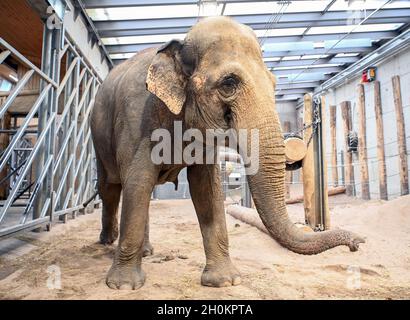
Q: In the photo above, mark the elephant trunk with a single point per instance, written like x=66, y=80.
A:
x=267, y=189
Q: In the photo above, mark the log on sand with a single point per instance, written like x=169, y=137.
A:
x=251, y=217
x=331, y=192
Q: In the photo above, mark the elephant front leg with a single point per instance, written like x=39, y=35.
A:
x=207, y=196
x=126, y=271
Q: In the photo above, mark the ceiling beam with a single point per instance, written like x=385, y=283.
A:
x=255, y=21
x=308, y=70
x=93, y=4
x=297, y=85
x=126, y=48
x=108, y=33
x=308, y=62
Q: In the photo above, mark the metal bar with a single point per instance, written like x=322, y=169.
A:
x=35, y=191
x=63, y=179
x=15, y=92
x=11, y=231
x=4, y=55
x=25, y=170
x=25, y=61
x=107, y=28
x=66, y=77
x=23, y=127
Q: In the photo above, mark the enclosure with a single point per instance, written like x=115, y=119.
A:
x=342, y=71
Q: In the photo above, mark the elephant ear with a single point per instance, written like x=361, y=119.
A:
x=165, y=77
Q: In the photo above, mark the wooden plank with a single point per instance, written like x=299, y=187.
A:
x=308, y=167
x=347, y=126
x=288, y=177
x=333, y=157
x=378, y=110
x=362, y=147
x=325, y=204
x=401, y=137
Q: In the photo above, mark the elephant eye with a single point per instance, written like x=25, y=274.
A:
x=228, y=86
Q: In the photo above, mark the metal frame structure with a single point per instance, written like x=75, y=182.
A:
x=62, y=157
x=339, y=52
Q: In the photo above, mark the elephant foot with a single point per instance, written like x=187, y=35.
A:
x=125, y=277
x=147, y=250
x=108, y=237
x=222, y=275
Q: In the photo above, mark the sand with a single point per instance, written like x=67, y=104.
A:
x=380, y=269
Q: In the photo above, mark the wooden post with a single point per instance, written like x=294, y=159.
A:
x=4, y=142
x=380, y=141
x=335, y=176
x=364, y=170
x=347, y=126
x=325, y=198
x=401, y=137
x=288, y=178
x=308, y=167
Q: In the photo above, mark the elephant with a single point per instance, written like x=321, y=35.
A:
x=213, y=79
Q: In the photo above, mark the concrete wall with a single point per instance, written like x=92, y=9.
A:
x=287, y=112
x=395, y=65
x=77, y=30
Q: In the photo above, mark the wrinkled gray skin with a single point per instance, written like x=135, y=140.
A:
x=215, y=78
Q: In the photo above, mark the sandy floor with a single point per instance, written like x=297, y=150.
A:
x=380, y=269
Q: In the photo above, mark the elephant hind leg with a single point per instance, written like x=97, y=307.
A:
x=110, y=194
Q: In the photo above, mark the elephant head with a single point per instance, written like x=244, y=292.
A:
x=218, y=77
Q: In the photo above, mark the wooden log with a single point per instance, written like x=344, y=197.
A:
x=401, y=137
x=378, y=110
x=295, y=149
x=335, y=175
x=251, y=217
x=325, y=204
x=348, y=161
x=288, y=177
x=246, y=215
x=331, y=192
x=308, y=167
x=364, y=170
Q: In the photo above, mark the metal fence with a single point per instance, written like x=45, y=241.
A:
x=49, y=171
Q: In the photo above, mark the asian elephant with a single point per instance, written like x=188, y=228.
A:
x=214, y=78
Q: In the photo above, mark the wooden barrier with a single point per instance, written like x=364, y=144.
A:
x=362, y=147
x=332, y=121
x=401, y=137
x=348, y=159
x=380, y=141
x=308, y=166
x=288, y=178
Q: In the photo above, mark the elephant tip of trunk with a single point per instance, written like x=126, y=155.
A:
x=355, y=240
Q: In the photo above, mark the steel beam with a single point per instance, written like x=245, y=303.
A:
x=297, y=85
x=126, y=48
x=308, y=70
x=309, y=62
x=255, y=21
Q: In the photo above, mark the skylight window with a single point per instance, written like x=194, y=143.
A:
x=143, y=39
x=148, y=12
x=271, y=7
x=355, y=28
x=115, y=56
x=280, y=32
x=367, y=5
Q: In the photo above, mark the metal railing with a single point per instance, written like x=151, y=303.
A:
x=57, y=173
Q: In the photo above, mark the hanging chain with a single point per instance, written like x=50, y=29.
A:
x=314, y=124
